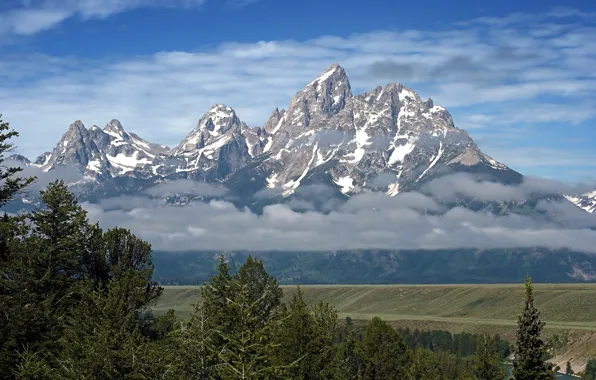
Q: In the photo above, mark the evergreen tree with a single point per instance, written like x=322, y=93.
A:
x=295, y=336
x=325, y=337
x=261, y=286
x=214, y=300
x=58, y=238
x=238, y=314
x=127, y=260
x=196, y=352
x=14, y=297
x=10, y=183
x=385, y=352
x=305, y=339
x=248, y=349
x=568, y=370
x=590, y=371
x=530, y=350
x=487, y=360
x=350, y=363
x=101, y=340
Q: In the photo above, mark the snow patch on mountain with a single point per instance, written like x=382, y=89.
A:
x=586, y=202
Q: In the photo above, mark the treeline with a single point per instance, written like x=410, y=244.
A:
x=460, y=344
x=75, y=303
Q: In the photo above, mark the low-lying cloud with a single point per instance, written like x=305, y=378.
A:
x=365, y=221
x=68, y=174
x=448, y=188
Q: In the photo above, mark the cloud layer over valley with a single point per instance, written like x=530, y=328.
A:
x=365, y=221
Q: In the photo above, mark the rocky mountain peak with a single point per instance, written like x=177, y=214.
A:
x=218, y=121
x=114, y=128
x=329, y=91
x=77, y=126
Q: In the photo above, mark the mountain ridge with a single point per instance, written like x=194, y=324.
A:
x=388, y=139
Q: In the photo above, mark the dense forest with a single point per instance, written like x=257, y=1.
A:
x=75, y=303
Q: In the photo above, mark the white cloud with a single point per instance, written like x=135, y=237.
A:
x=365, y=221
x=36, y=16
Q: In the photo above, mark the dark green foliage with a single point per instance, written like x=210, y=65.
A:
x=530, y=350
x=428, y=365
x=488, y=363
x=305, y=339
x=230, y=335
x=385, y=353
x=10, y=183
x=349, y=360
x=461, y=344
x=590, y=371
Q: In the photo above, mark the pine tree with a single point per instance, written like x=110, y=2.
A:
x=260, y=285
x=100, y=340
x=127, y=260
x=568, y=370
x=349, y=359
x=487, y=360
x=530, y=350
x=10, y=183
x=590, y=371
x=248, y=349
x=214, y=300
x=385, y=352
x=305, y=339
x=13, y=267
x=196, y=354
x=295, y=336
x=59, y=240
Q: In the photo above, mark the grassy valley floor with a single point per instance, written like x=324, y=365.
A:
x=568, y=309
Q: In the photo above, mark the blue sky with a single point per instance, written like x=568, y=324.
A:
x=519, y=76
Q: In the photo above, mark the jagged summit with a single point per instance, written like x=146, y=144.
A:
x=329, y=91
x=114, y=127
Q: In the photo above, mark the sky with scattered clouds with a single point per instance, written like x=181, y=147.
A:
x=518, y=76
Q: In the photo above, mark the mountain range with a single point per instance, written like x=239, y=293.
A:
x=387, y=140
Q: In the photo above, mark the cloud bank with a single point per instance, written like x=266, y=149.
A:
x=365, y=221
